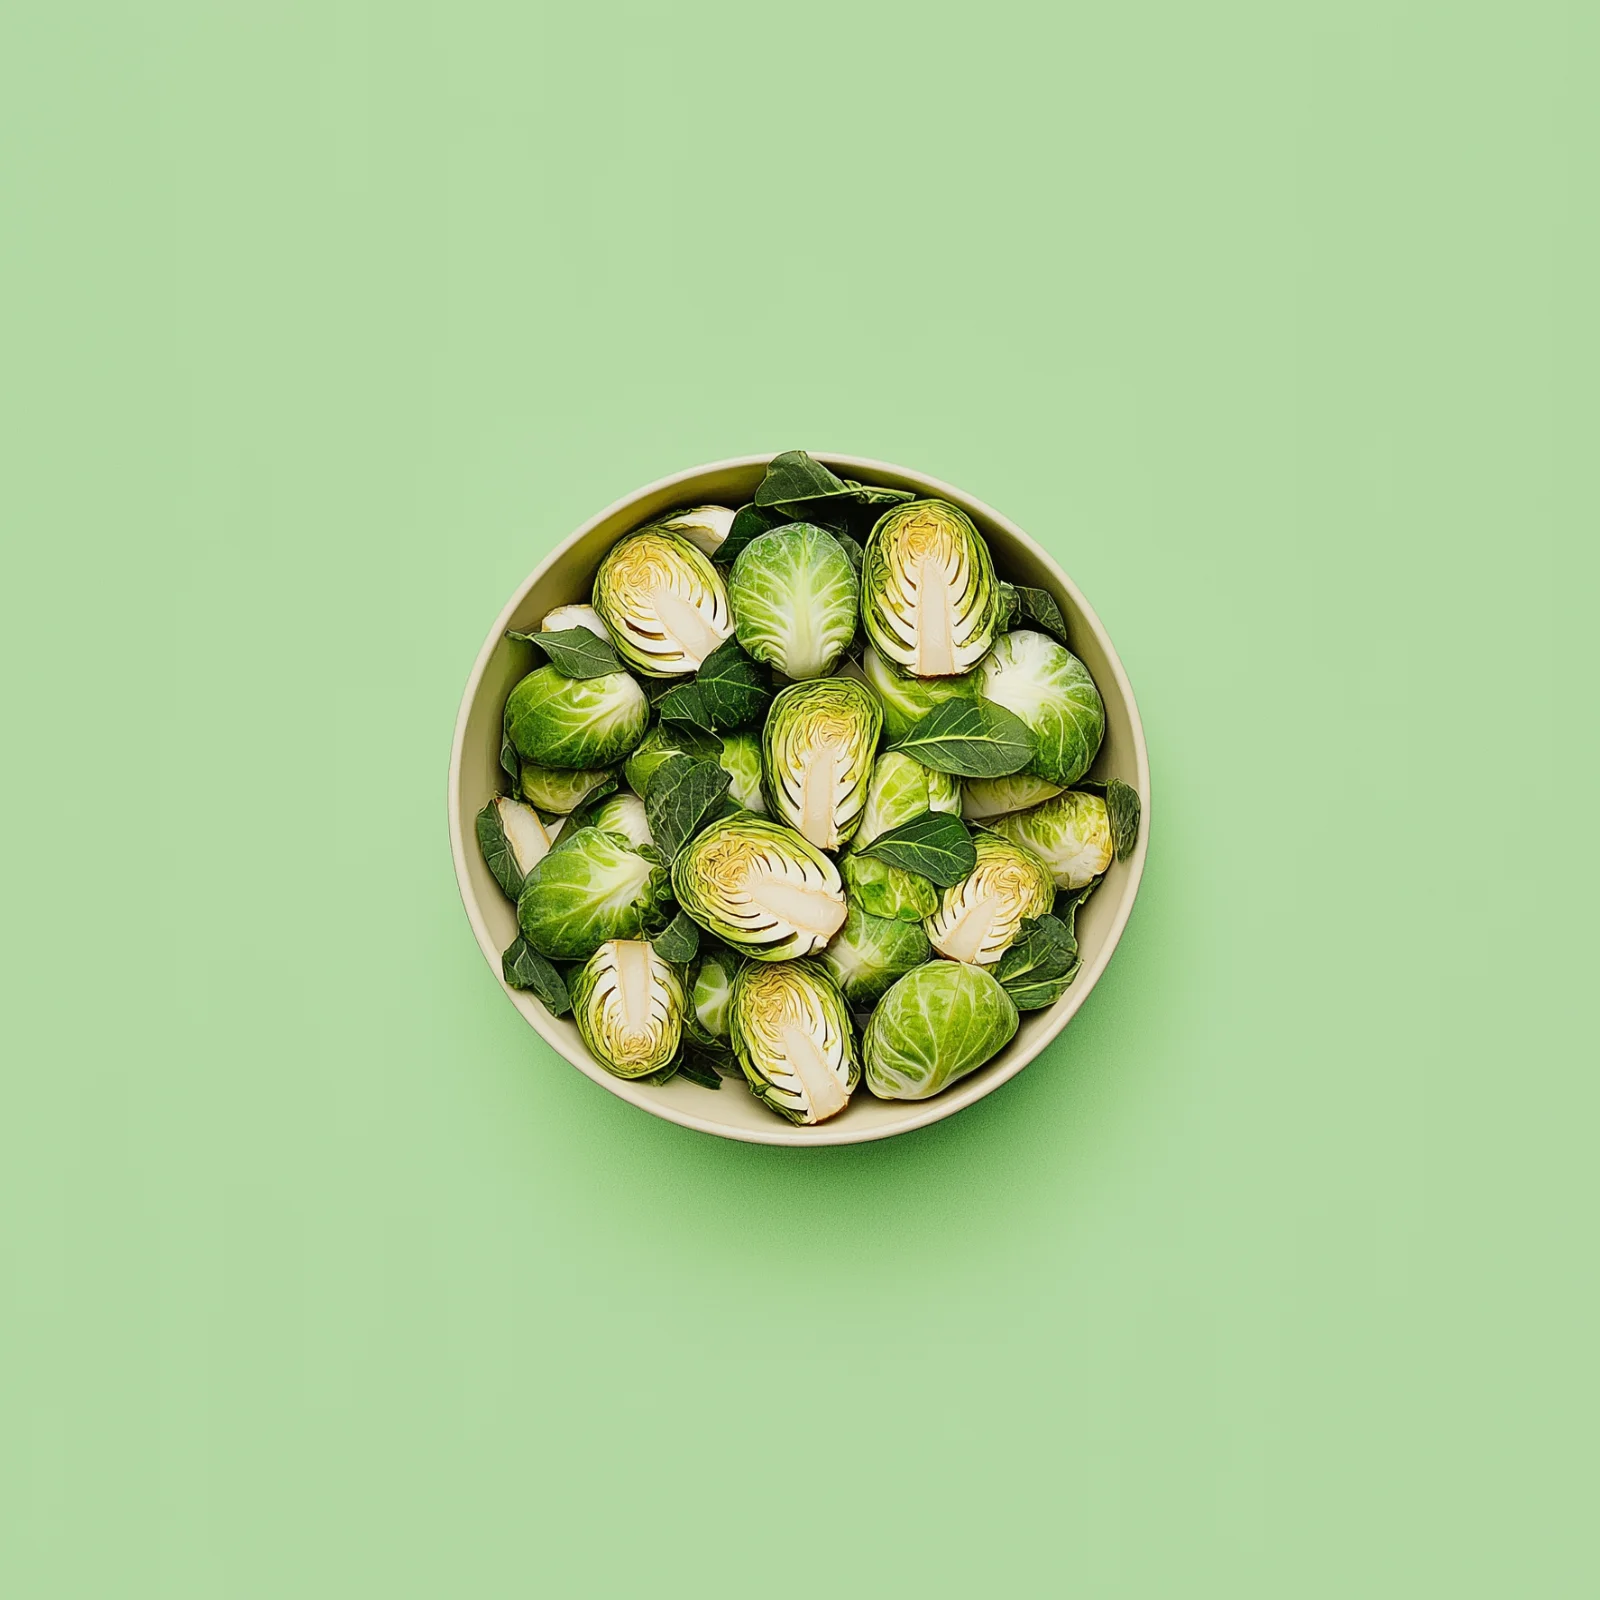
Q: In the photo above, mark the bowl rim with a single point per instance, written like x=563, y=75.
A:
x=918, y=1113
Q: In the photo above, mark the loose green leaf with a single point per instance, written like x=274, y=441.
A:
x=680, y=942
x=872, y=494
x=698, y=1068
x=1122, y=811
x=510, y=763
x=525, y=968
x=1010, y=606
x=793, y=475
x=1040, y=608
x=665, y=1075
x=497, y=853
x=1040, y=964
x=749, y=522
x=578, y=653
x=852, y=548
x=971, y=738
x=521, y=636
x=936, y=845
x=728, y=691
x=683, y=796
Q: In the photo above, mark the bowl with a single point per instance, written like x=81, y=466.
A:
x=566, y=575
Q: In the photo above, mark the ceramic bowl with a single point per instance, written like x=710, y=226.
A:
x=566, y=575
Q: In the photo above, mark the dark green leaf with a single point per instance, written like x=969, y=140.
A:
x=971, y=738
x=1122, y=811
x=698, y=1067
x=1040, y=608
x=510, y=763
x=525, y=968
x=1010, y=606
x=749, y=522
x=728, y=691
x=497, y=853
x=578, y=653
x=1041, y=962
x=872, y=494
x=852, y=548
x=680, y=943
x=683, y=796
x=793, y=475
x=665, y=1075
x=936, y=845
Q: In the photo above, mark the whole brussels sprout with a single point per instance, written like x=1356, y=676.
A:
x=624, y=814
x=1051, y=690
x=929, y=599
x=759, y=887
x=982, y=798
x=937, y=1024
x=660, y=745
x=663, y=603
x=591, y=889
x=792, y=1033
x=1070, y=834
x=869, y=953
x=793, y=593
x=741, y=760
x=901, y=788
x=978, y=918
x=574, y=616
x=574, y=723
x=628, y=1004
x=705, y=527
x=710, y=995
x=817, y=750
x=555, y=789
x=906, y=700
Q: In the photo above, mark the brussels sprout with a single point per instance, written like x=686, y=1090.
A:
x=793, y=593
x=628, y=1004
x=624, y=814
x=741, y=760
x=929, y=599
x=660, y=745
x=906, y=700
x=817, y=749
x=792, y=1033
x=978, y=918
x=513, y=841
x=1051, y=690
x=663, y=603
x=982, y=798
x=552, y=789
x=592, y=889
x=705, y=527
x=554, y=721
x=937, y=1024
x=574, y=616
x=869, y=953
x=710, y=994
x=1070, y=834
x=901, y=788
x=759, y=886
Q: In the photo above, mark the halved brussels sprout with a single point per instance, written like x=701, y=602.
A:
x=573, y=723
x=574, y=616
x=710, y=995
x=1070, y=834
x=817, y=750
x=591, y=889
x=760, y=887
x=906, y=700
x=937, y=1024
x=513, y=841
x=982, y=798
x=1051, y=690
x=793, y=593
x=663, y=603
x=624, y=814
x=978, y=918
x=929, y=599
x=741, y=760
x=901, y=788
x=792, y=1033
x=560, y=791
x=628, y=1004
x=868, y=954
x=705, y=527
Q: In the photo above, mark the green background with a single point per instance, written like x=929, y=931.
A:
x=322, y=323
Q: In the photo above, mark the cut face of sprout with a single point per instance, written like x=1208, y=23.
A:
x=525, y=833
x=628, y=1004
x=664, y=605
x=978, y=918
x=574, y=616
x=792, y=1033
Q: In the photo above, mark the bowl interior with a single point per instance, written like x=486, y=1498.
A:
x=567, y=575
